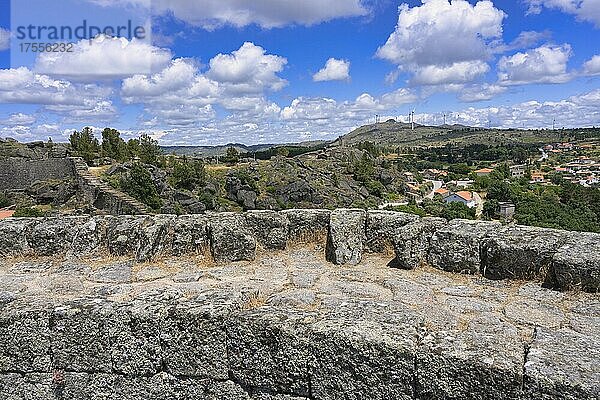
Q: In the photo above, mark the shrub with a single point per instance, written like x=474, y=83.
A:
x=139, y=184
x=188, y=175
x=28, y=212
x=4, y=201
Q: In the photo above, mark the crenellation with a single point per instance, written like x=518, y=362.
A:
x=561, y=259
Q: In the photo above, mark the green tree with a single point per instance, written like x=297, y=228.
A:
x=84, y=144
x=28, y=212
x=113, y=146
x=364, y=169
x=490, y=208
x=149, y=150
x=139, y=184
x=188, y=175
x=501, y=172
x=499, y=190
x=457, y=210
x=460, y=169
x=232, y=156
x=133, y=147
x=282, y=151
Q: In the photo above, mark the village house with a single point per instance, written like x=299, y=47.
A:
x=506, y=209
x=484, y=172
x=461, y=183
x=441, y=192
x=518, y=171
x=461, y=197
x=537, y=177
x=7, y=212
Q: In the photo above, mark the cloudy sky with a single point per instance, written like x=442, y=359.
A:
x=273, y=71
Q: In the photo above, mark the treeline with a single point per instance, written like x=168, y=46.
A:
x=85, y=145
x=476, y=152
x=564, y=206
x=285, y=151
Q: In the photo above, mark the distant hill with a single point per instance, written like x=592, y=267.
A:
x=392, y=133
x=212, y=151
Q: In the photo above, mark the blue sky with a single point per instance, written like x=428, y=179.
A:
x=272, y=71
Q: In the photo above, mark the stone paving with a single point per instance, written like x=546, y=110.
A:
x=536, y=343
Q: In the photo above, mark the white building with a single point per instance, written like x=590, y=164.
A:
x=462, y=197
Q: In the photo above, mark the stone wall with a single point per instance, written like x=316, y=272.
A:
x=561, y=259
x=192, y=340
x=102, y=196
x=21, y=173
x=18, y=173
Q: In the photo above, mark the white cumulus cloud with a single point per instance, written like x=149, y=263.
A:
x=103, y=58
x=585, y=10
x=545, y=64
x=459, y=72
x=592, y=66
x=248, y=70
x=450, y=39
x=23, y=86
x=212, y=14
x=182, y=95
x=19, y=119
x=481, y=92
x=334, y=70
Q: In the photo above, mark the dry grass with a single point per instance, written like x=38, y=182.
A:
x=308, y=237
x=217, y=168
x=29, y=257
x=253, y=300
x=98, y=171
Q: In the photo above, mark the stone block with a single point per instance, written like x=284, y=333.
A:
x=80, y=337
x=413, y=241
x=353, y=359
x=35, y=386
x=140, y=236
x=307, y=225
x=13, y=235
x=268, y=351
x=135, y=342
x=346, y=238
x=24, y=339
x=270, y=228
x=563, y=365
x=52, y=236
x=520, y=252
x=456, y=246
x=230, y=238
x=190, y=235
x=383, y=227
x=483, y=362
x=576, y=265
x=193, y=342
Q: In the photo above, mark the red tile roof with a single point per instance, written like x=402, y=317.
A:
x=467, y=196
x=6, y=213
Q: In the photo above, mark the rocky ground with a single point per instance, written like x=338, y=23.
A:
x=321, y=179
x=288, y=325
